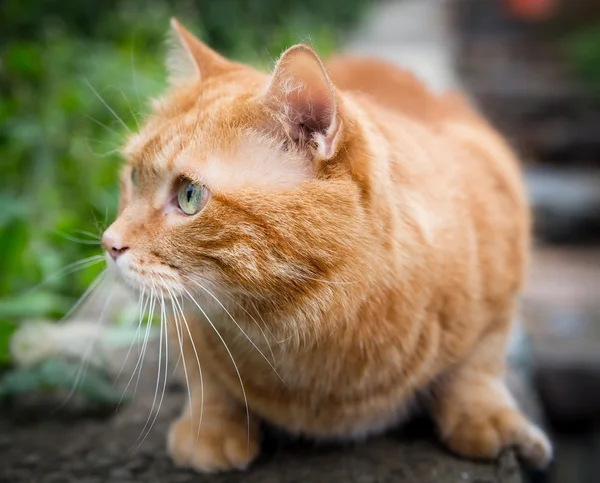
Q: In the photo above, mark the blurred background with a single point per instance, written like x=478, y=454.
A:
x=75, y=76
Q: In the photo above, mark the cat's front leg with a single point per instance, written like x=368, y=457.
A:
x=216, y=432
x=223, y=441
x=478, y=417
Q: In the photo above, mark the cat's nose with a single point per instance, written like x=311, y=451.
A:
x=113, y=244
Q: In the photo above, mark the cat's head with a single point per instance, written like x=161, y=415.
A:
x=239, y=182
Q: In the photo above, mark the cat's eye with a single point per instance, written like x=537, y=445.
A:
x=191, y=197
x=134, y=176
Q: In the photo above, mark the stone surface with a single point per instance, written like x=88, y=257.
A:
x=37, y=444
x=77, y=444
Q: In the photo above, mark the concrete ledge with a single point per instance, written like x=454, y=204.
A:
x=54, y=450
x=37, y=444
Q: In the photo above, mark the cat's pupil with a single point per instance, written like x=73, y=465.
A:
x=189, y=192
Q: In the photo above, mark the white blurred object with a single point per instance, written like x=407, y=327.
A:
x=107, y=319
x=88, y=342
x=35, y=342
x=413, y=34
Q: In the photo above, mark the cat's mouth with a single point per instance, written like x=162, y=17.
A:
x=139, y=275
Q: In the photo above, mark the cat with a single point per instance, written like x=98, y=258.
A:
x=335, y=242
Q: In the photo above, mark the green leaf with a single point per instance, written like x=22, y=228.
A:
x=97, y=387
x=6, y=331
x=583, y=51
x=55, y=374
x=19, y=381
x=33, y=304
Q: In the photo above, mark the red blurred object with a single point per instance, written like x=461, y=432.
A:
x=532, y=9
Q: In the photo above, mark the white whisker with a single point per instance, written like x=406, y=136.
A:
x=146, y=337
x=140, y=360
x=239, y=327
x=85, y=295
x=108, y=128
x=232, y=360
x=187, y=327
x=87, y=352
x=160, y=355
x=133, y=76
x=130, y=109
x=95, y=236
x=110, y=109
x=260, y=327
x=179, y=328
x=99, y=154
x=263, y=320
x=177, y=310
x=70, y=268
x=163, y=321
x=141, y=310
x=78, y=240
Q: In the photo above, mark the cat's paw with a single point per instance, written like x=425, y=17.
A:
x=222, y=446
x=486, y=436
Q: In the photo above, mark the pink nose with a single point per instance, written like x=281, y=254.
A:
x=114, y=246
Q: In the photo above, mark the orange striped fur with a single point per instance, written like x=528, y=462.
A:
x=362, y=247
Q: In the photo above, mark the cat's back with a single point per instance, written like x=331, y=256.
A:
x=445, y=159
x=399, y=90
x=414, y=120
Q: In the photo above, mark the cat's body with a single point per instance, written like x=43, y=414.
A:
x=362, y=244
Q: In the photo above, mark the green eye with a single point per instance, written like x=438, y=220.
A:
x=191, y=198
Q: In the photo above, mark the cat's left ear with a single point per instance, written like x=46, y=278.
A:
x=304, y=100
x=190, y=60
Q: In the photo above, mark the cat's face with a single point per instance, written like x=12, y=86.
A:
x=227, y=187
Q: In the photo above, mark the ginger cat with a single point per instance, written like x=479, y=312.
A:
x=334, y=241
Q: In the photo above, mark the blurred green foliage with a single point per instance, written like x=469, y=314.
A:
x=52, y=374
x=58, y=141
x=583, y=50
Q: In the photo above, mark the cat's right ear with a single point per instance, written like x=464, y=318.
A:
x=190, y=60
x=305, y=102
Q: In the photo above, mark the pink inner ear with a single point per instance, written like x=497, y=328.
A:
x=303, y=94
x=310, y=113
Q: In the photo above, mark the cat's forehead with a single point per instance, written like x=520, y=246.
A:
x=226, y=159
